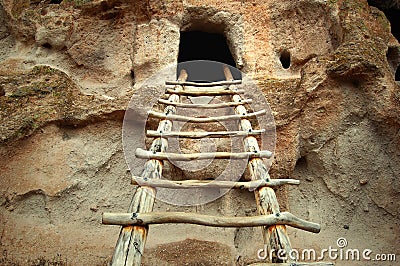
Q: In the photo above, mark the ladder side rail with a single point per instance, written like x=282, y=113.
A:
x=275, y=236
x=130, y=244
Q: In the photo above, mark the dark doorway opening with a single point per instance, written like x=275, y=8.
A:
x=198, y=45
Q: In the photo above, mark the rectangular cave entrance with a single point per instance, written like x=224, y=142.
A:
x=199, y=45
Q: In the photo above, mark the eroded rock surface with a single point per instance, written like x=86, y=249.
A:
x=68, y=71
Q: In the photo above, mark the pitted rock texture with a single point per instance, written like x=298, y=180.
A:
x=68, y=70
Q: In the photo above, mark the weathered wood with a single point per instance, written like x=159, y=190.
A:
x=203, y=119
x=185, y=184
x=143, y=154
x=227, y=73
x=208, y=220
x=293, y=264
x=205, y=106
x=275, y=236
x=203, y=92
x=199, y=135
x=130, y=245
x=204, y=84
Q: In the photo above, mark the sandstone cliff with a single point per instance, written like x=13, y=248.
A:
x=69, y=68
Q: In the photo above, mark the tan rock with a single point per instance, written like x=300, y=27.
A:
x=68, y=71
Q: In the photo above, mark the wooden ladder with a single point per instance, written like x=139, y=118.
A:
x=130, y=245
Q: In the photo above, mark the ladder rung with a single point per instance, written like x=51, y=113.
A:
x=285, y=218
x=143, y=154
x=198, y=135
x=203, y=119
x=205, y=84
x=199, y=92
x=205, y=106
x=186, y=184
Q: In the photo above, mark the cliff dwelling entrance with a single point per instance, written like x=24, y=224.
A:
x=198, y=45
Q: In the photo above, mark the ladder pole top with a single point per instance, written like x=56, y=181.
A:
x=183, y=75
x=227, y=73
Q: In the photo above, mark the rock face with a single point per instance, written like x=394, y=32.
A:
x=69, y=68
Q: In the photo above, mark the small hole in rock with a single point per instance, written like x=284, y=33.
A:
x=46, y=45
x=356, y=83
x=301, y=163
x=285, y=59
x=55, y=2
